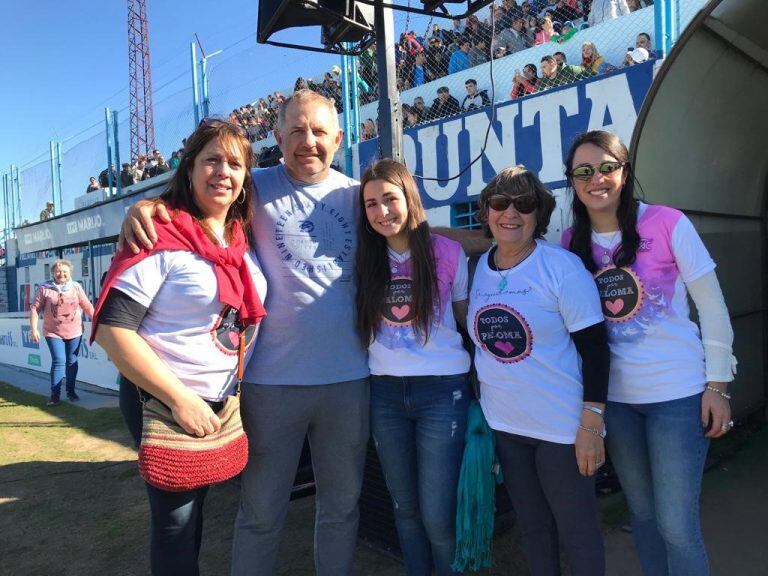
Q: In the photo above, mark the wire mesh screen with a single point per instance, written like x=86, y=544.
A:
x=507, y=51
x=79, y=162
x=36, y=189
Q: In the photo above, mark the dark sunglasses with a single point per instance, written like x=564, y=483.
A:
x=524, y=204
x=586, y=171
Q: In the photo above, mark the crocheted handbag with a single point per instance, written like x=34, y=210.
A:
x=173, y=460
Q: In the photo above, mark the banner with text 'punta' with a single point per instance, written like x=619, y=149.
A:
x=535, y=131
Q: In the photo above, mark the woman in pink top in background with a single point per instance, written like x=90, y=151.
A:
x=61, y=302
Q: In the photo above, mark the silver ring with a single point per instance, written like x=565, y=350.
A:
x=726, y=427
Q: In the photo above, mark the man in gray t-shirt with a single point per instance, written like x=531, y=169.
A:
x=308, y=375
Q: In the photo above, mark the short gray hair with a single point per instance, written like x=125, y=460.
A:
x=61, y=262
x=305, y=95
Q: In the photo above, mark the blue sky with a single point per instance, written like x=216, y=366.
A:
x=63, y=62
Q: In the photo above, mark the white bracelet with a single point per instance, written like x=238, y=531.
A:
x=594, y=409
x=721, y=392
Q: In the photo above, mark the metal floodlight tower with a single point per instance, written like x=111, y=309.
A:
x=141, y=120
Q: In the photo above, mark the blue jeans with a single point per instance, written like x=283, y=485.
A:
x=63, y=363
x=659, y=451
x=418, y=425
x=177, y=517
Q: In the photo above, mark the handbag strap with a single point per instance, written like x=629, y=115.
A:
x=240, y=360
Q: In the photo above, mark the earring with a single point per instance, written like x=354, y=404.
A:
x=241, y=196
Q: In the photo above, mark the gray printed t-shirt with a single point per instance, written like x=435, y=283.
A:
x=305, y=237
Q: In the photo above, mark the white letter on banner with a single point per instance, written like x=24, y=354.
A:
x=409, y=152
x=428, y=139
x=548, y=107
x=612, y=94
x=499, y=153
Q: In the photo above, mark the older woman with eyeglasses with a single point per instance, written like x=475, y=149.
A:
x=536, y=320
x=61, y=301
x=669, y=390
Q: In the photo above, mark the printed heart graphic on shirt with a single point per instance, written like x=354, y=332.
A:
x=505, y=347
x=400, y=312
x=615, y=306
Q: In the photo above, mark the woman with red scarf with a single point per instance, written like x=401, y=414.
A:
x=171, y=318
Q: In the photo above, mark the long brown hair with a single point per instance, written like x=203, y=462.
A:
x=179, y=194
x=626, y=213
x=372, y=258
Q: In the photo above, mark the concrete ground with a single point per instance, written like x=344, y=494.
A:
x=734, y=509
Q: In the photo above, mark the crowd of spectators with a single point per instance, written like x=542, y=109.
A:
x=513, y=26
x=142, y=169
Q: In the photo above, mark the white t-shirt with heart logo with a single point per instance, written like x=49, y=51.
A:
x=186, y=325
x=520, y=320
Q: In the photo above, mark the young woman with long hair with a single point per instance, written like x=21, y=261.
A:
x=668, y=383
x=411, y=290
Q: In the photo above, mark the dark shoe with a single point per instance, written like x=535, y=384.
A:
x=53, y=401
x=73, y=397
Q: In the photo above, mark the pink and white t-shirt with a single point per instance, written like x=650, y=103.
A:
x=520, y=320
x=399, y=351
x=656, y=350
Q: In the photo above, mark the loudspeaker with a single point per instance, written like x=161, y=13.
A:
x=341, y=20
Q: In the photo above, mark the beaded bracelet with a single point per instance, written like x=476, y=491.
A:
x=594, y=431
x=721, y=392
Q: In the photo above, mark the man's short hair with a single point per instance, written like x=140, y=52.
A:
x=471, y=81
x=305, y=95
x=417, y=100
x=443, y=90
x=548, y=58
x=565, y=59
x=645, y=35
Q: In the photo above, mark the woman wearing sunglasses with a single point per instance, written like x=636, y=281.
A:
x=61, y=301
x=668, y=390
x=536, y=319
x=412, y=288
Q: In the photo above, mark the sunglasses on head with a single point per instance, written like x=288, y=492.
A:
x=524, y=204
x=586, y=171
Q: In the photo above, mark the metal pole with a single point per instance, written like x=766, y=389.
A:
x=345, y=104
x=107, y=118
x=203, y=87
x=6, y=227
x=195, y=93
x=355, y=99
x=118, y=168
x=18, y=193
x=660, y=27
x=390, y=120
x=53, y=172
x=60, y=207
x=669, y=26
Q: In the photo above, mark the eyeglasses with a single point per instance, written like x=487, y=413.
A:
x=524, y=204
x=586, y=171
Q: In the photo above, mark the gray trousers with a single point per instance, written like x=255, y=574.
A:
x=276, y=420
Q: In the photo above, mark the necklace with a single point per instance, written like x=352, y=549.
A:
x=607, y=256
x=525, y=253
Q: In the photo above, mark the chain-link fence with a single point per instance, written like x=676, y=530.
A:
x=35, y=185
x=508, y=51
